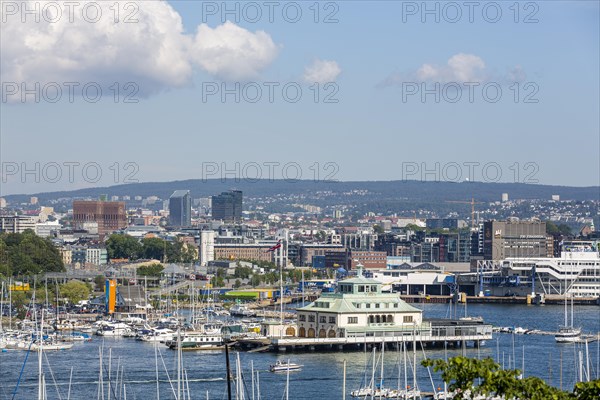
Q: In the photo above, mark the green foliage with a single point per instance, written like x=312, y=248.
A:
x=460, y=373
x=378, y=229
x=75, y=291
x=100, y=281
x=28, y=254
x=154, y=248
x=237, y=283
x=255, y=280
x=563, y=229
x=150, y=270
x=587, y=390
x=19, y=301
x=123, y=246
x=242, y=272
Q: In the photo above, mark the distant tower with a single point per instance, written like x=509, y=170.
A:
x=227, y=206
x=180, y=208
x=504, y=197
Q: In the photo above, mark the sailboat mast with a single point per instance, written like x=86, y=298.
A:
x=382, y=354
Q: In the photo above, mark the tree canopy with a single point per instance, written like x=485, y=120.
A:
x=28, y=254
x=460, y=373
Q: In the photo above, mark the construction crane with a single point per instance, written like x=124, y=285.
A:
x=472, y=203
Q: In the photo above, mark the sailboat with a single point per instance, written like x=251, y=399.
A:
x=568, y=333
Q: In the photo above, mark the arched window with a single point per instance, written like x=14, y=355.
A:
x=383, y=319
x=371, y=319
x=378, y=319
x=390, y=318
x=302, y=332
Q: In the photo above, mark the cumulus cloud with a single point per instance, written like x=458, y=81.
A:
x=322, y=71
x=231, y=52
x=153, y=50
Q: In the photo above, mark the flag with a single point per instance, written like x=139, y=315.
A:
x=277, y=246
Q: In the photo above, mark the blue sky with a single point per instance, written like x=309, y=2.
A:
x=371, y=61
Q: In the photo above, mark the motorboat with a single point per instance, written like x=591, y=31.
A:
x=281, y=366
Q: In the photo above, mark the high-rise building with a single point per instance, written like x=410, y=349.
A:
x=227, y=206
x=109, y=215
x=180, y=208
x=206, y=250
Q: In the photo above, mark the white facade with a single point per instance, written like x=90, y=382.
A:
x=96, y=256
x=576, y=272
x=206, y=250
x=45, y=229
x=16, y=223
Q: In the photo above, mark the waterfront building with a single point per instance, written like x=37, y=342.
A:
x=358, y=308
x=576, y=272
x=514, y=238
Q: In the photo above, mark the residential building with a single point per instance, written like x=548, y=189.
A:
x=16, y=223
x=369, y=259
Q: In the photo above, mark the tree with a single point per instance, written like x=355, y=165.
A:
x=150, y=270
x=75, y=291
x=123, y=246
x=378, y=229
x=587, y=390
x=237, y=283
x=255, y=280
x=154, y=248
x=100, y=281
x=28, y=254
x=460, y=373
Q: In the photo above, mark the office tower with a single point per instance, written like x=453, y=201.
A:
x=180, y=208
x=227, y=206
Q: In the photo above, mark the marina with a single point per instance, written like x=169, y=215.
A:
x=206, y=370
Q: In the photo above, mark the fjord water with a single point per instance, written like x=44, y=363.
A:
x=322, y=372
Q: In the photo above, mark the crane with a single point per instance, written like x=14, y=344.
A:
x=472, y=203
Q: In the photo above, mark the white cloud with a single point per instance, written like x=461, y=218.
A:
x=459, y=68
x=153, y=52
x=231, y=52
x=322, y=71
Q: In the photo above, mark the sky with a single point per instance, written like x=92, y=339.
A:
x=103, y=93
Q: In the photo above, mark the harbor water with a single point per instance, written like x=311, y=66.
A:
x=134, y=364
